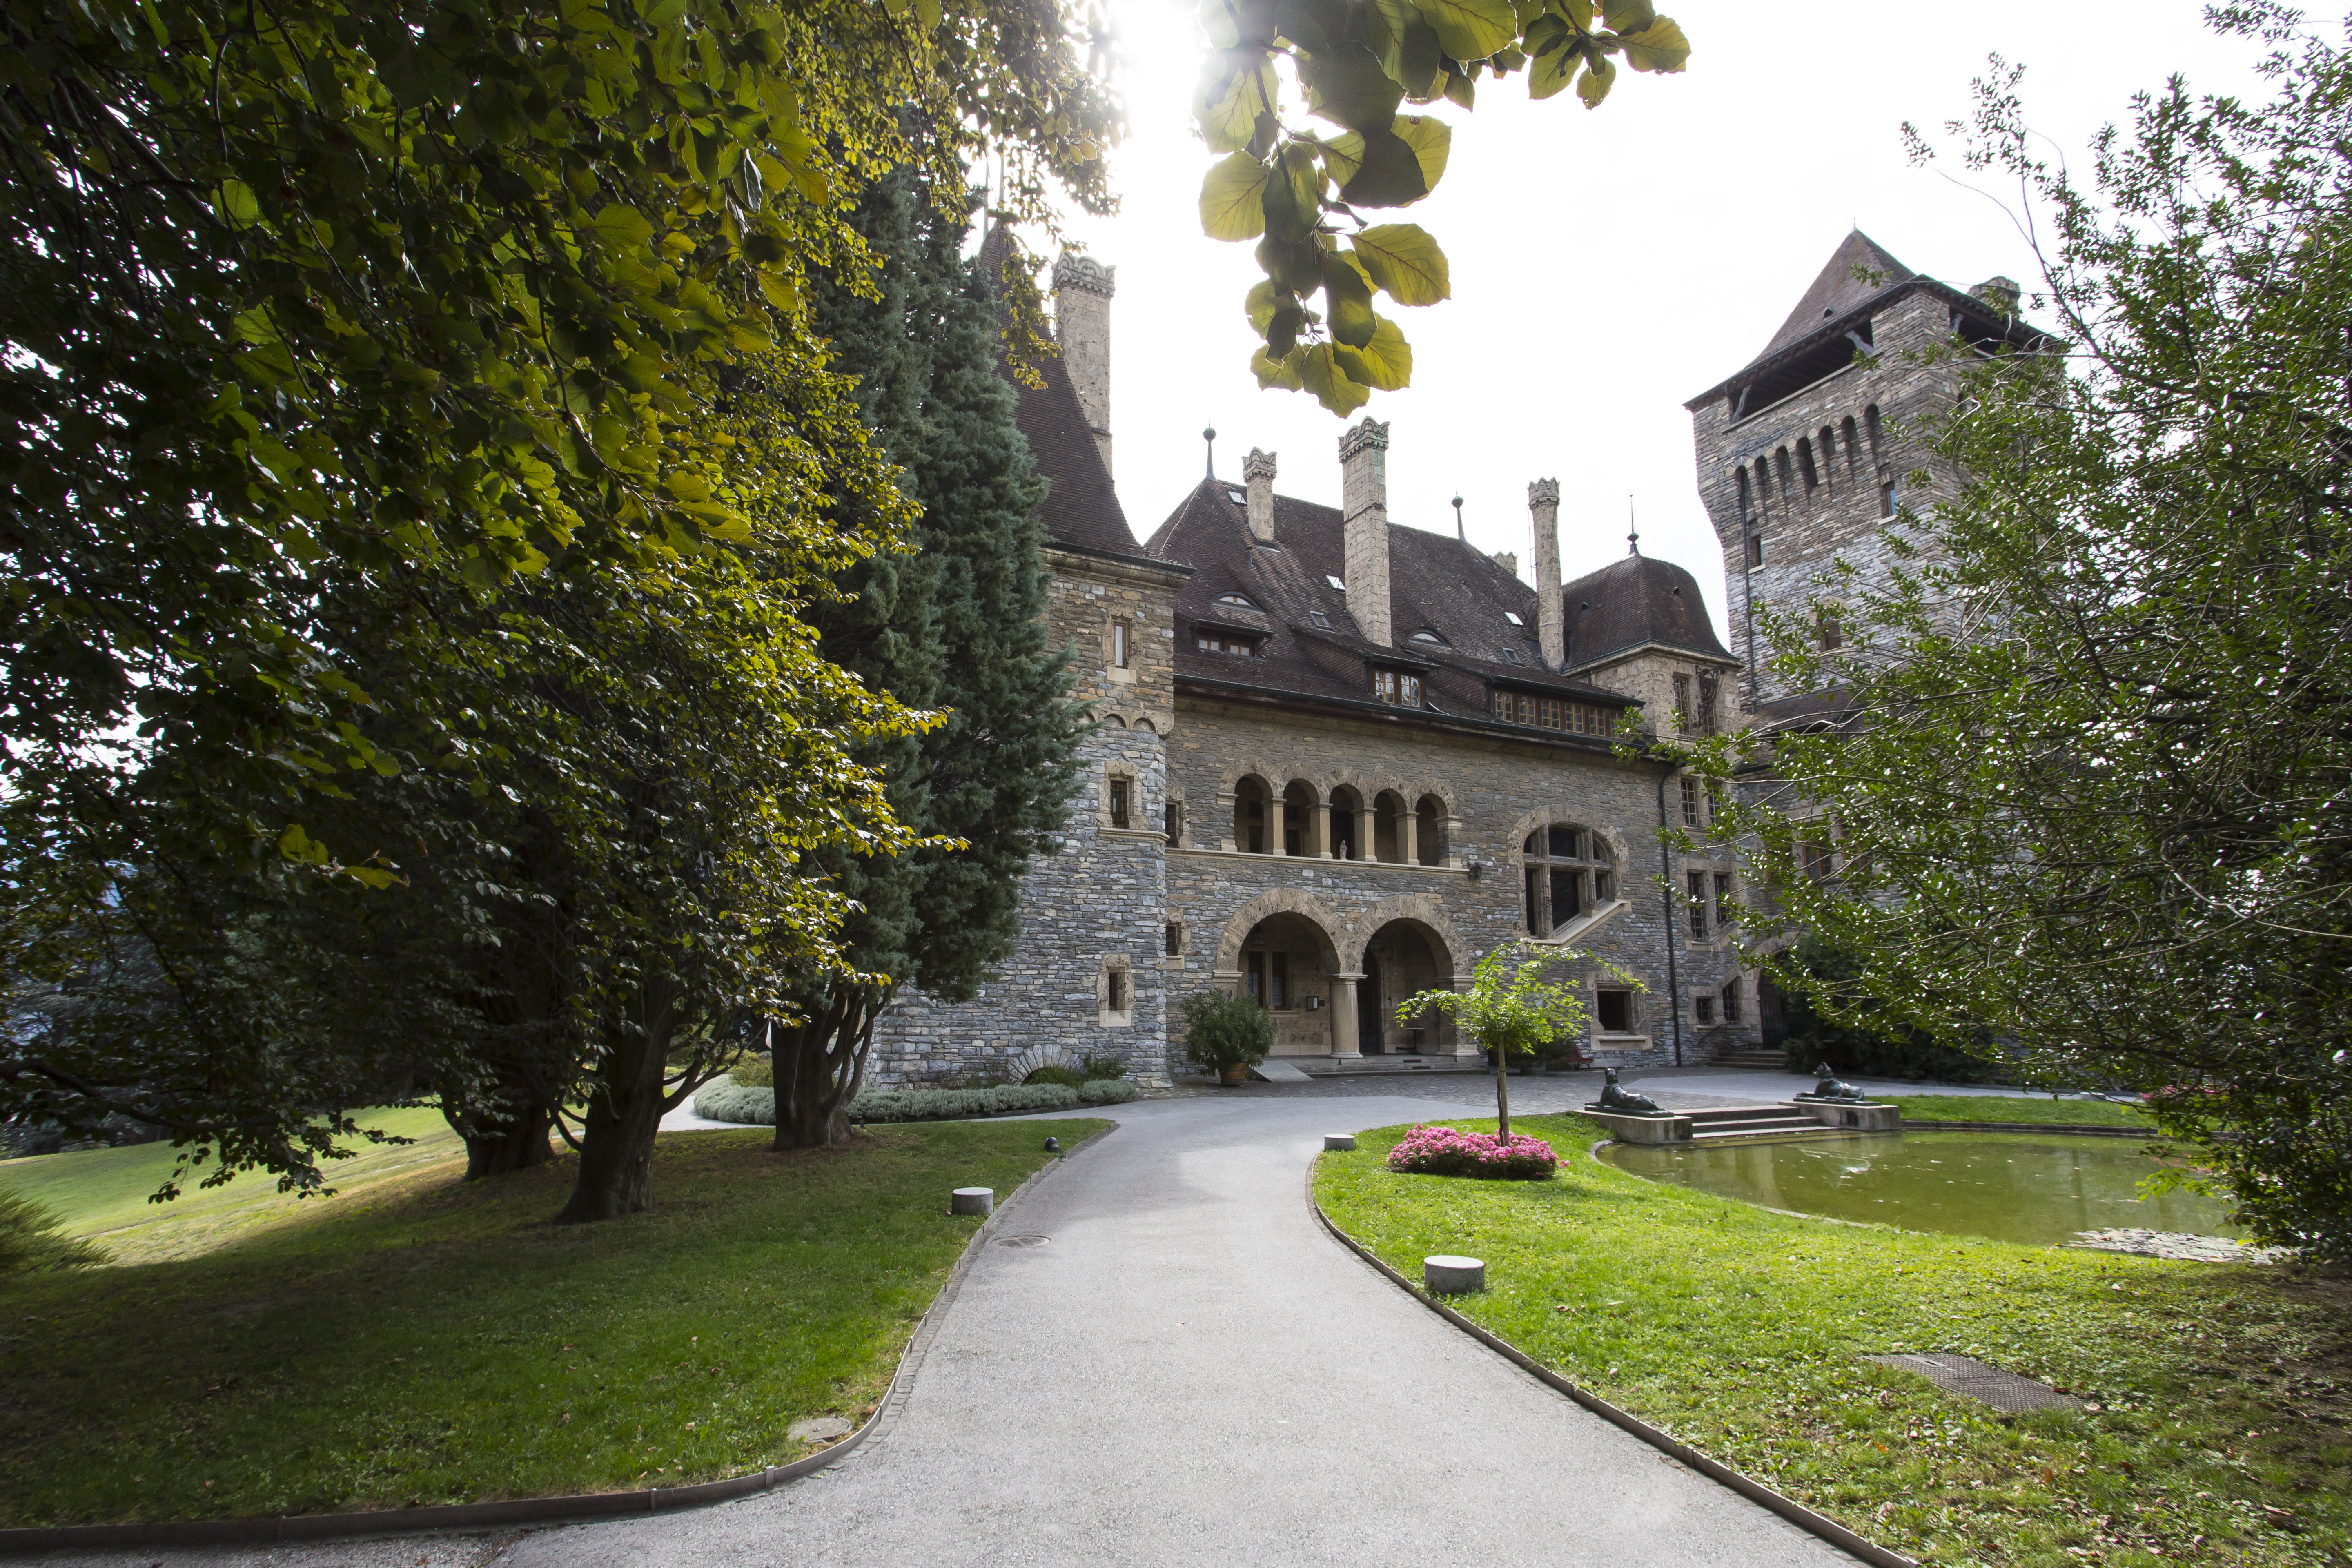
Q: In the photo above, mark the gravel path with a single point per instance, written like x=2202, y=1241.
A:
x=1190, y=1372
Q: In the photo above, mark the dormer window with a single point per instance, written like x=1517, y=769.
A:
x=1429, y=637
x=1513, y=616
x=1320, y=618
x=1240, y=497
x=1235, y=602
x=1399, y=687
x=1225, y=642
x=1511, y=656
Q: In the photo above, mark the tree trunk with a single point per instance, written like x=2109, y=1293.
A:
x=625, y=1111
x=518, y=1143
x=820, y=1065
x=1502, y=1102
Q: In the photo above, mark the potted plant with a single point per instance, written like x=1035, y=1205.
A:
x=1226, y=1034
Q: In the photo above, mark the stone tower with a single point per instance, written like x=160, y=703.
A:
x=1804, y=453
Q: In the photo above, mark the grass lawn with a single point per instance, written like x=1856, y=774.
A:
x=423, y=1341
x=100, y=1194
x=2220, y=1394
x=2020, y=1108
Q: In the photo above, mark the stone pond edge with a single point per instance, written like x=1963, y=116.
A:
x=1787, y=1507
x=566, y=1508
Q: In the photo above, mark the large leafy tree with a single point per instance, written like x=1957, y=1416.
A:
x=957, y=626
x=364, y=389
x=2093, y=792
x=1295, y=189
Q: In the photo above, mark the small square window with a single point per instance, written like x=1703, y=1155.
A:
x=1614, y=1011
x=1513, y=616
x=1704, y=1006
x=1336, y=586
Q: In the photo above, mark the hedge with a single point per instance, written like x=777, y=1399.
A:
x=724, y=1101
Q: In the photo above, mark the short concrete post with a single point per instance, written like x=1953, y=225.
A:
x=972, y=1200
x=1338, y=1141
x=1447, y=1276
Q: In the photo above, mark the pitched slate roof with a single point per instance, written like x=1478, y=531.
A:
x=1081, y=505
x=1638, y=601
x=1837, y=290
x=1436, y=584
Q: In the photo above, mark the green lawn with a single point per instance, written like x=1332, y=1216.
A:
x=2219, y=1434
x=2020, y=1108
x=423, y=1341
x=100, y=1194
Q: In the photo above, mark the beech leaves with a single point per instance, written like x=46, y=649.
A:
x=1297, y=190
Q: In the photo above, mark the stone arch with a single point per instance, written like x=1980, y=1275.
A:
x=1280, y=902
x=1516, y=848
x=1422, y=908
x=1242, y=768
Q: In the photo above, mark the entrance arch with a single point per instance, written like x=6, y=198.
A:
x=1279, y=951
x=1399, y=958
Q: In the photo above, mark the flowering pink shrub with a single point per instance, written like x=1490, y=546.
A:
x=1443, y=1152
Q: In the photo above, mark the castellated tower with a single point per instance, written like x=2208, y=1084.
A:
x=1804, y=454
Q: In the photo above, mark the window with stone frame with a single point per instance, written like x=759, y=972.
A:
x=1710, y=698
x=1122, y=803
x=1612, y=1010
x=1691, y=809
x=1695, y=886
x=1725, y=917
x=1267, y=976
x=1682, y=701
x=1113, y=992
x=1175, y=939
x=1756, y=550
x=1703, y=1010
x=1568, y=870
x=1171, y=822
x=1122, y=637
x=1731, y=1002
x=1827, y=630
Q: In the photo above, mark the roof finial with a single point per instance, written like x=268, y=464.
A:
x=1457, y=521
x=1632, y=531
x=1210, y=436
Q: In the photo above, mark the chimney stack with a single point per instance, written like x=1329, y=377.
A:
x=1543, y=500
x=1082, y=292
x=1257, y=473
x=1364, y=502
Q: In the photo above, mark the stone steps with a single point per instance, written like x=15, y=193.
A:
x=1754, y=1061
x=1750, y=1121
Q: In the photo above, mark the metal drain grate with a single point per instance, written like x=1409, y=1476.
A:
x=1972, y=1379
x=1022, y=1240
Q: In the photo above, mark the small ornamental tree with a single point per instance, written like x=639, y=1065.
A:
x=1511, y=1008
x=1223, y=1031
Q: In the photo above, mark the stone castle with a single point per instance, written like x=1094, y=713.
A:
x=1339, y=758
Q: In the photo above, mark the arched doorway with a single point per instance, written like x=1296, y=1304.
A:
x=1286, y=964
x=1403, y=958
x=1770, y=1017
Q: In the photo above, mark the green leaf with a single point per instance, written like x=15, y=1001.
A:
x=1332, y=387
x=1342, y=156
x=1292, y=202
x=1461, y=90
x=1554, y=71
x=1350, y=295
x=1264, y=299
x=1432, y=140
x=1405, y=262
x=1349, y=86
x=1471, y=29
x=621, y=228
x=1236, y=86
x=1278, y=372
x=237, y=200
x=1599, y=76
x=1660, y=46
x=1387, y=174
x=1298, y=266
x=1627, y=15
x=1233, y=199
x=1420, y=56
x=1384, y=365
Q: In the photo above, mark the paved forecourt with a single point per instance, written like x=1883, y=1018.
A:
x=1191, y=1371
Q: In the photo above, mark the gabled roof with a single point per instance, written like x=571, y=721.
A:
x=1837, y=290
x=1635, y=603
x=1436, y=582
x=1081, y=505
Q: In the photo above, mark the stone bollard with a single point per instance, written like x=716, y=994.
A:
x=1339, y=1139
x=1453, y=1276
x=972, y=1200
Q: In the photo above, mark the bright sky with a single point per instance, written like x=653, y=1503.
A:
x=1608, y=264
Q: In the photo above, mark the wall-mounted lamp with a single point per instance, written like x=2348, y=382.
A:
x=1473, y=868
x=1315, y=1003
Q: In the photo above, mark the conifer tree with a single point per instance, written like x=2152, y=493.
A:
x=957, y=626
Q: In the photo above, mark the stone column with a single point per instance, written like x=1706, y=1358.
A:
x=1225, y=821
x=1322, y=830
x=1274, y=824
x=1083, y=288
x=1453, y=842
x=1366, y=848
x=1408, y=832
x=1344, y=1021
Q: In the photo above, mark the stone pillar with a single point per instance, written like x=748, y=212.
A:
x=1543, y=502
x=1364, y=502
x=1344, y=1020
x=1453, y=842
x=1082, y=292
x=1365, y=847
x=1274, y=824
x=1225, y=839
x=1408, y=833
x=1322, y=829
x=1257, y=473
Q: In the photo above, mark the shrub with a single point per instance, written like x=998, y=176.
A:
x=1443, y=1151
x=955, y=1104
x=1055, y=1073
x=1225, y=1031
x=754, y=1105
x=1101, y=1065
x=1107, y=1091
x=754, y=1073
x=30, y=1240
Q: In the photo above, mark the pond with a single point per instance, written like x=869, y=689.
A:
x=2034, y=1187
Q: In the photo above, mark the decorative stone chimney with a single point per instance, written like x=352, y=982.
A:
x=1509, y=560
x=1543, y=501
x=1082, y=292
x=1257, y=473
x=1364, y=502
x=2001, y=293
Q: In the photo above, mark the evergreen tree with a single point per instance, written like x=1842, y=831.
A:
x=958, y=626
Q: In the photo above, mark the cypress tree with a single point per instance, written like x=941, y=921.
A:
x=957, y=624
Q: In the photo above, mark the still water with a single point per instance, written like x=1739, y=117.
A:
x=2038, y=1188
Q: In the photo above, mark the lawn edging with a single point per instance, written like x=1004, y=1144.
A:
x=561, y=1509
x=1788, y=1509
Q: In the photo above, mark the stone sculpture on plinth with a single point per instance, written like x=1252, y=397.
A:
x=1619, y=1102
